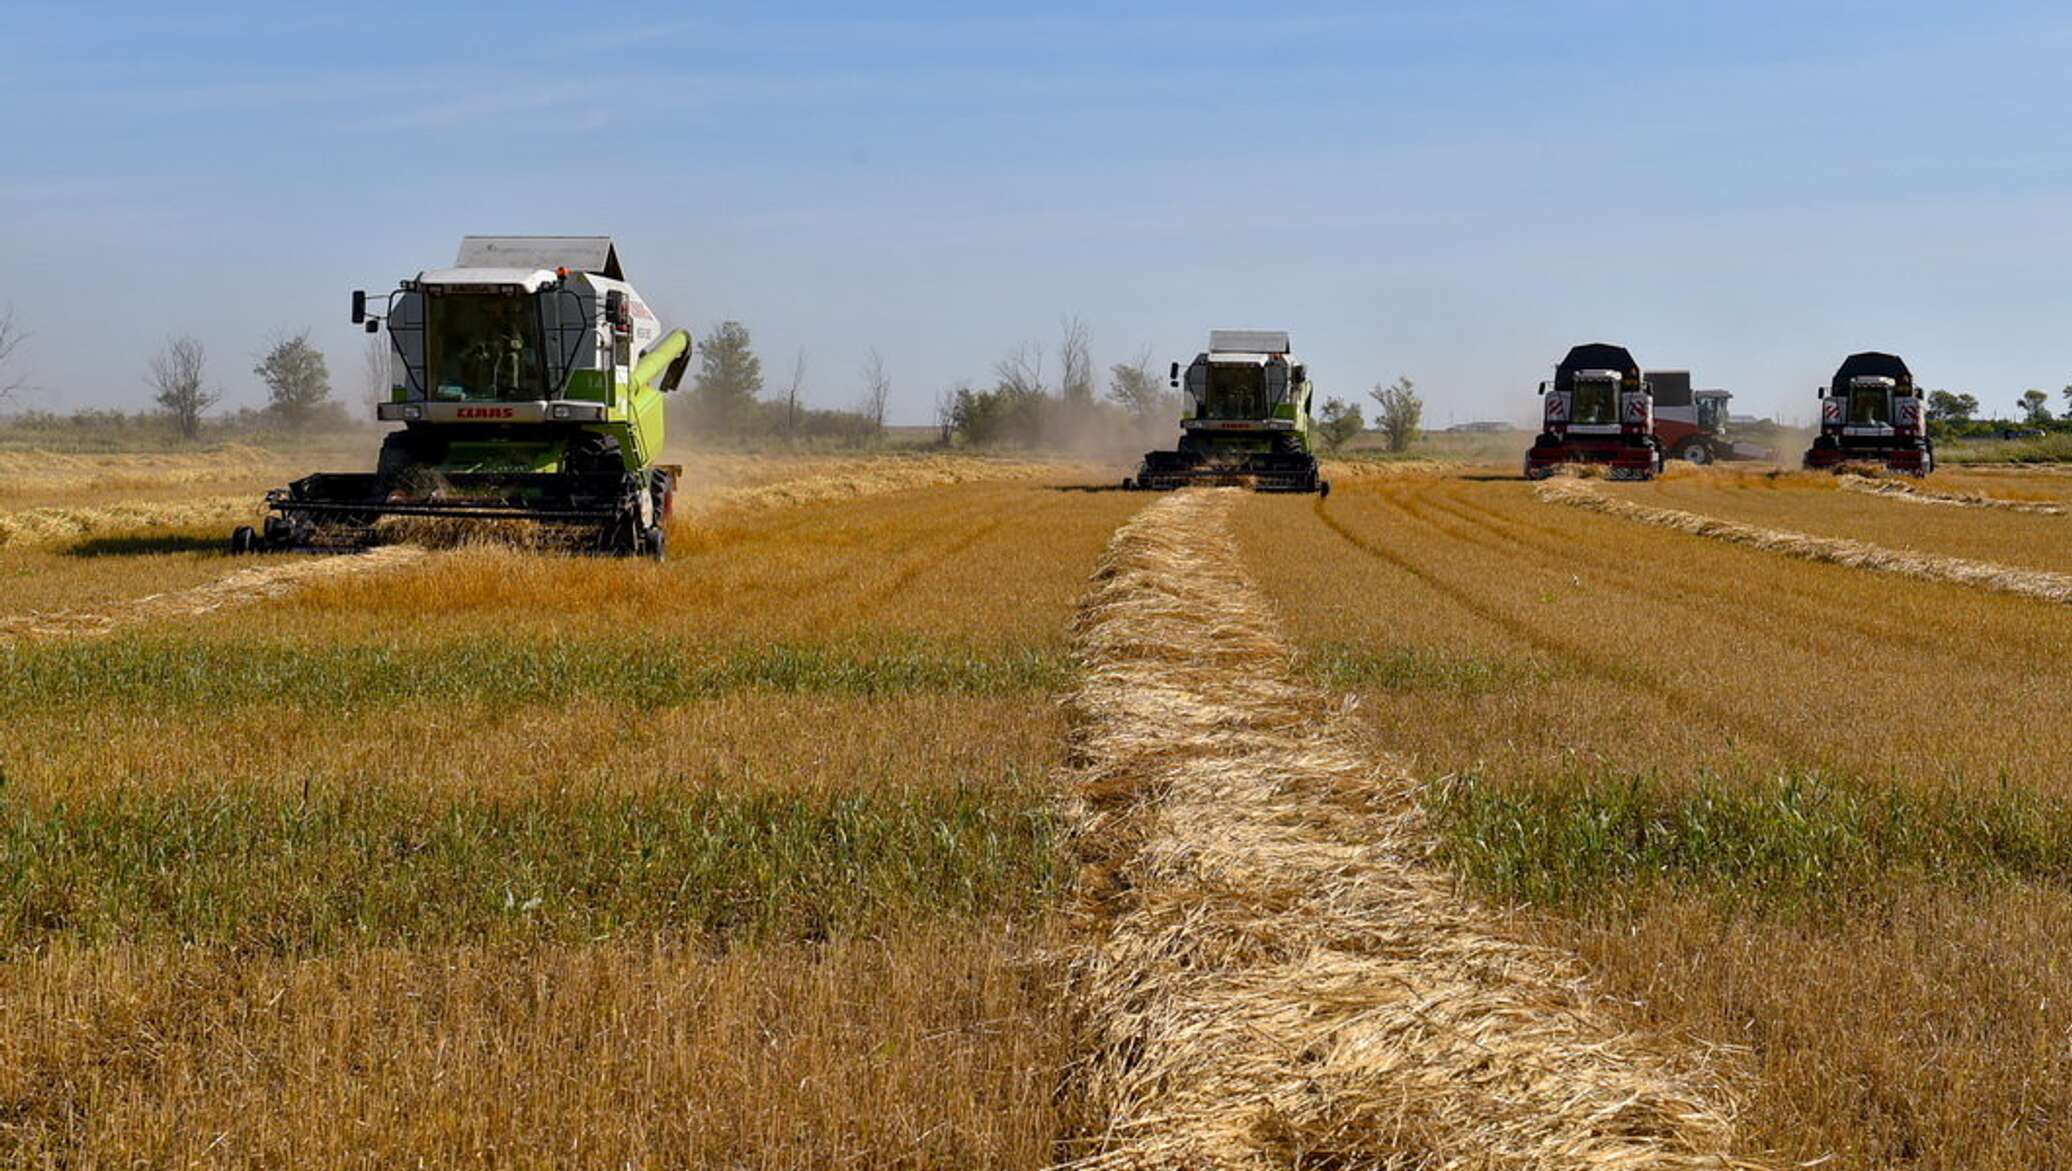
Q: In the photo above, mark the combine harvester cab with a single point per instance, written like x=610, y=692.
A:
x=1598, y=411
x=1245, y=420
x=1872, y=413
x=1691, y=425
x=529, y=380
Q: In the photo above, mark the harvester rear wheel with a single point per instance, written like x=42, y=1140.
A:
x=657, y=544
x=244, y=540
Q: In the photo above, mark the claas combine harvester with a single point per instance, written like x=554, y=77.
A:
x=1872, y=413
x=529, y=382
x=1245, y=419
x=1598, y=410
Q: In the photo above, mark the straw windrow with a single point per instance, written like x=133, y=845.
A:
x=244, y=587
x=1987, y=575
x=1274, y=975
x=1896, y=490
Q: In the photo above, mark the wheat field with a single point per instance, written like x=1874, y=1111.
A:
x=827, y=843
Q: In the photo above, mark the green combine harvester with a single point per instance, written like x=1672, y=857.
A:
x=1245, y=420
x=529, y=380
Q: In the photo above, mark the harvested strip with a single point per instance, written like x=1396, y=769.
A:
x=1893, y=489
x=1275, y=975
x=1986, y=575
x=872, y=477
x=42, y=525
x=242, y=588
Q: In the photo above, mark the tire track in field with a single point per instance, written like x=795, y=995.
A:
x=931, y=552
x=1818, y=628
x=1611, y=670
x=1981, y=575
x=1275, y=975
x=243, y=588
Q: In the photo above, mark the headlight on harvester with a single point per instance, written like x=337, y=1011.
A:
x=560, y=410
x=413, y=413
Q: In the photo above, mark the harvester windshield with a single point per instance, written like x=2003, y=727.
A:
x=1236, y=392
x=1596, y=401
x=1712, y=414
x=485, y=346
x=1870, y=402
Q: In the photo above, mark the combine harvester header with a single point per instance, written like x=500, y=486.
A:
x=529, y=380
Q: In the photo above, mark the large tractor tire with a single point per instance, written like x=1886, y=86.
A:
x=593, y=454
x=1695, y=451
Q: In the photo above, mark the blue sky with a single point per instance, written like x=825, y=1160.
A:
x=1452, y=191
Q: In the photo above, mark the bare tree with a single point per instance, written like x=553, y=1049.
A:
x=1021, y=372
x=946, y=412
x=177, y=373
x=792, y=392
x=12, y=335
x=377, y=384
x=1075, y=357
x=876, y=389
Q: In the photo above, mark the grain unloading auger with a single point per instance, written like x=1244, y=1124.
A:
x=1245, y=421
x=529, y=380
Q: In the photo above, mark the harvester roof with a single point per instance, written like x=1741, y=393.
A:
x=596, y=255
x=1872, y=364
x=1248, y=341
x=1595, y=356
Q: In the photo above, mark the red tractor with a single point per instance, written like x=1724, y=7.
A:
x=1692, y=424
x=1872, y=412
x=1598, y=411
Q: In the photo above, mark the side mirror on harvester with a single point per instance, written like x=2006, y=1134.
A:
x=616, y=313
x=359, y=306
x=1173, y=376
x=1301, y=374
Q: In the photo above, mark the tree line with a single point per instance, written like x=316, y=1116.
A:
x=1953, y=413
x=297, y=379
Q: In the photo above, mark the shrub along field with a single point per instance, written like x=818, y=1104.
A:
x=502, y=857
x=1813, y=811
